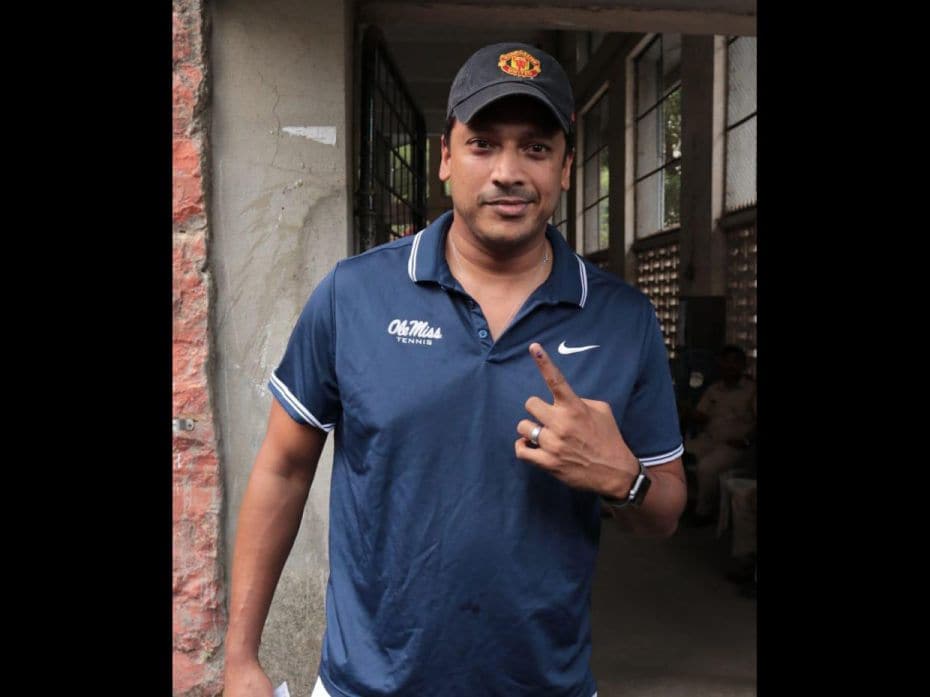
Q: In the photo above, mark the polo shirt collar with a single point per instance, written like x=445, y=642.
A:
x=568, y=281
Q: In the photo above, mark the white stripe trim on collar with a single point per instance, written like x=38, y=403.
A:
x=584, y=281
x=294, y=402
x=659, y=459
x=412, y=260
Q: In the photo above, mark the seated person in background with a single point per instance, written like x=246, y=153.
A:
x=726, y=414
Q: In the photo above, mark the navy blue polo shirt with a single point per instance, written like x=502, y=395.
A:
x=456, y=569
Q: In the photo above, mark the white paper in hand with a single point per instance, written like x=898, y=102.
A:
x=281, y=690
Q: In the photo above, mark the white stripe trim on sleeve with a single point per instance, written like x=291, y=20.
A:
x=298, y=407
x=412, y=259
x=584, y=281
x=659, y=459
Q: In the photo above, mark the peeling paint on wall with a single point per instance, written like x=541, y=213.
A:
x=321, y=134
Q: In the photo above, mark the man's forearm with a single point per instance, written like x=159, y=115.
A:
x=269, y=519
x=661, y=509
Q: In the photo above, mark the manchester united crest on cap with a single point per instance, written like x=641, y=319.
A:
x=520, y=64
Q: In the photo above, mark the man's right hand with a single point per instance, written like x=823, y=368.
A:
x=269, y=518
x=246, y=679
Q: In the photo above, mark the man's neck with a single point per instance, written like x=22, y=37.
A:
x=465, y=254
x=499, y=283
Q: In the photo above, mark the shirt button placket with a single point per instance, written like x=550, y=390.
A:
x=479, y=322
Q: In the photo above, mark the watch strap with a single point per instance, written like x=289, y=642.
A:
x=637, y=492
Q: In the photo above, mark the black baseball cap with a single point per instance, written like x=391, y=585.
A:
x=502, y=70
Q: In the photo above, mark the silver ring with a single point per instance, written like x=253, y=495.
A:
x=534, y=434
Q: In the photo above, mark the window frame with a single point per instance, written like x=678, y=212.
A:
x=728, y=128
x=600, y=255
x=664, y=93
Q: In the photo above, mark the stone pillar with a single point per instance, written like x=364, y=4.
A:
x=703, y=247
x=280, y=218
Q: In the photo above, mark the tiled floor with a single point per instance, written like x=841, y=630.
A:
x=666, y=621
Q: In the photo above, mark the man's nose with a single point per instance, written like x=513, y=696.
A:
x=508, y=168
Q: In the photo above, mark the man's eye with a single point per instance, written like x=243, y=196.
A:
x=539, y=148
x=481, y=144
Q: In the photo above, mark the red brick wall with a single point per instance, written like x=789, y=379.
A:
x=199, y=593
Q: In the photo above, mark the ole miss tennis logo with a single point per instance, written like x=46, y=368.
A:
x=520, y=64
x=414, y=331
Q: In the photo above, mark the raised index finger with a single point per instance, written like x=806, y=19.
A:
x=557, y=383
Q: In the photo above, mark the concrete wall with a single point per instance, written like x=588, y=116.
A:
x=281, y=219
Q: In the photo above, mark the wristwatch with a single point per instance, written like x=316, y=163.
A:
x=637, y=491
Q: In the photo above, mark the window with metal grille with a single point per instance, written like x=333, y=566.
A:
x=741, y=123
x=657, y=277
x=739, y=220
x=595, y=178
x=741, y=291
x=392, y=182
x=657, y=115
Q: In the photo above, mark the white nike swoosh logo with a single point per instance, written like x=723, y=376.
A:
x=565, y=350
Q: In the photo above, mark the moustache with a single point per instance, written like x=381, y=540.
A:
x=509, y=196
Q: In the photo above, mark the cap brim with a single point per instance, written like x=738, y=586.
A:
x=466, y=109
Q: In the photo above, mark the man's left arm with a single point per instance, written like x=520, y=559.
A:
x=658, y=516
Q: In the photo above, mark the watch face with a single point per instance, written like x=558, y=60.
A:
x=643, y=488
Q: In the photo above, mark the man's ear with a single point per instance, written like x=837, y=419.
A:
x=444, y=167
x=567, y=170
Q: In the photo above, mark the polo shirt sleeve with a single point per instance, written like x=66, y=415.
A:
x=305, y=381
x=650, y=423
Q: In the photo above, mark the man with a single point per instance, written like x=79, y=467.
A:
x=470, y=462
x=726, y=414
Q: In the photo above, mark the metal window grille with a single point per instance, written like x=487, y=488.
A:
x=657, y=175
x=741, y=129
x=657, y=277
x=741, y=291
x=595, y=176
x=392, y=181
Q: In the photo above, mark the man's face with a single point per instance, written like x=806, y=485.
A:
x=732, y=366
x=507, y=168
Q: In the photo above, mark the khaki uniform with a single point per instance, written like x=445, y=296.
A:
x=731, y=416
